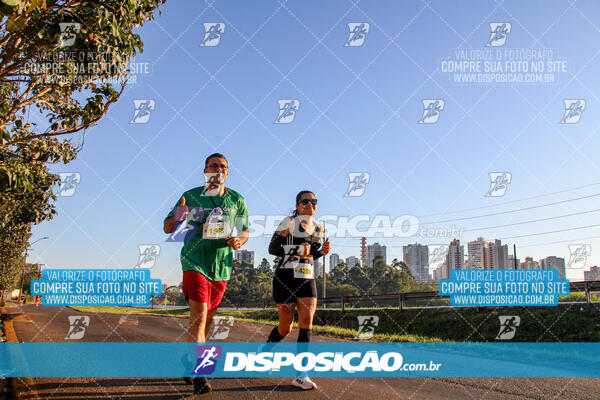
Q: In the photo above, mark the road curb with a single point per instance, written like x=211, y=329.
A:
x=21, y=387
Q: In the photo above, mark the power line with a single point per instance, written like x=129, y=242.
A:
x=562, y=241
x=549, y=232
x=510, y=211
x=509, y=202
x=533, y=220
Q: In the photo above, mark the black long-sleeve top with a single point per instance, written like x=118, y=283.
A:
x=298, y=236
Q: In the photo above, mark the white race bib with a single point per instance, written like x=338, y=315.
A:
x=303, y=269
x=215, y=230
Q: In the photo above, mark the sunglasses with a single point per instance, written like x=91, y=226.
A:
x=311, y=201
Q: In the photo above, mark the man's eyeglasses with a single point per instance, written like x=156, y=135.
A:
x=311, y=201
x=217, y=166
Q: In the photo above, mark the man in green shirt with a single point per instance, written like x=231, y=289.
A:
x=210, y=212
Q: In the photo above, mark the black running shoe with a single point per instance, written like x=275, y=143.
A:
x=201, y=385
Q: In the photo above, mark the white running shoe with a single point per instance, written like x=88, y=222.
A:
x=304, y=383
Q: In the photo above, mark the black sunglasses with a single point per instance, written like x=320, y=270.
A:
x=311, y=201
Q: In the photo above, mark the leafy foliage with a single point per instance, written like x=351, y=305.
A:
x=60, y=61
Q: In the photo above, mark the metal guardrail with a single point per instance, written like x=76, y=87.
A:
x=585, y=286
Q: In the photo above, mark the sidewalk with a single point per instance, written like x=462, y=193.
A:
x=17, y=386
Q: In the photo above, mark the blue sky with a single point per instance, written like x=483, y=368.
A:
x=359, y=111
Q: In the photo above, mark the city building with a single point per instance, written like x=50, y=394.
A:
x=246, y=256
x=455, y=258
x=438, y=274
x=416, y=256
x=529, y=263
x=557, y=263
x=476, y=249
x=592, y=275
x=334, y=260
x=511, y=262
x=495, y=255
x=351, y=262
x=318, y=269
x=373, y=251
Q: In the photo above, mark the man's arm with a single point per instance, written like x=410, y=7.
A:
x=181, y=212
x=236, y=242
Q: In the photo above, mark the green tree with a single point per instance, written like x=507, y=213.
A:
x=62, y=64
x=339, y=274
x=29, y=272
x=12, y=261
x=265, y=268
x=360, y=277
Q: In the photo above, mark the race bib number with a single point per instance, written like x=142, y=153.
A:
x=303, y=270
x=215, y=230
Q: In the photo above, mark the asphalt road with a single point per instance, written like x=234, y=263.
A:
x=50, y=324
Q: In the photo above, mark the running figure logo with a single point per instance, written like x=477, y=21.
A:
x=431, y=111
x=366, y=326
x=358, y=183
x=358, y=32
x=68, y=33
x=508, y=326
x=499, y=33
x=68, y=183
x=212, y=33
x=187, y=230
x=498, y=183
x=207, y=359
x=287, y=111
x=142, y=108
x=148, y=255
x=573, y=110
x=221, y=328
x=579, y=254
x=77, y=325
x=290, y=250
x=437, y=254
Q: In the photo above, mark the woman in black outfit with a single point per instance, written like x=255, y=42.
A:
x=297, y=243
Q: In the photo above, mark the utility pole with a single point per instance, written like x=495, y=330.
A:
x=324, y=280
x=515, y=255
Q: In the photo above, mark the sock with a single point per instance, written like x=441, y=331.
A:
x=275, y=336
x=302, y=346
x=304, y=335
x=303, y=340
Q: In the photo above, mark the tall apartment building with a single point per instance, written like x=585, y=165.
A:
x=373, y=251
x=416, y=256
x=438, y=274
x=557, y=263
x=592, y=275
x=334, y=260
x=476, y=251
x=351, y=262
x=244, y=256
x=318, y=268
x=495, y=255
x=530, y=263
x=511, y=262
x=455, y=258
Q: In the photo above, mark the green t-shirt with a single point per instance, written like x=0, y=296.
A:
x=213, y=258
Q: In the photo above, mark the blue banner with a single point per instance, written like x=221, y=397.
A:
x=96, y=287
x=503, y=287
x=288, y=359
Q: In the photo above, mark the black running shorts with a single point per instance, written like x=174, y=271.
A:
x=287, y=289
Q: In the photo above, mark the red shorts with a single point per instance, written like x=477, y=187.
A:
x=197, y=287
